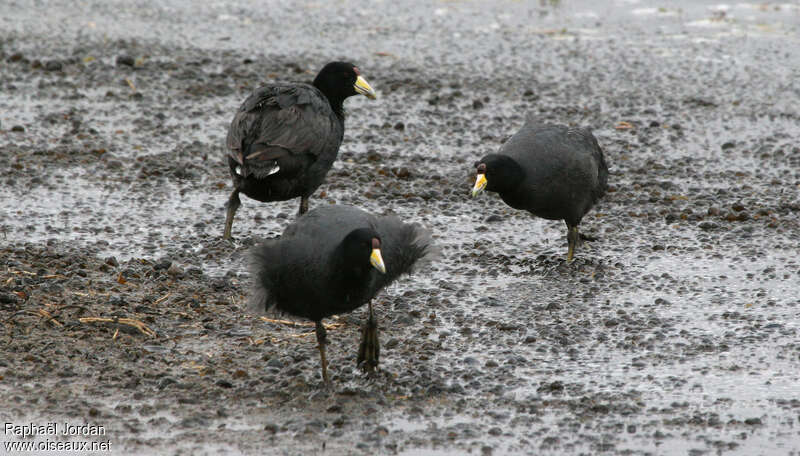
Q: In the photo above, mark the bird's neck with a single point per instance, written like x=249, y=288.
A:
x=352, y=285
x=336, y=101
x=506, y=177
x=337, y=106
x=347, y=272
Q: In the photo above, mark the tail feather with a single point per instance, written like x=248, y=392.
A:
x=408, y=247
x=261, y=257
x=602, y=172
x=424, y=250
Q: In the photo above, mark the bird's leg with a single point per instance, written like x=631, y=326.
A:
x=233, y=203
x=573, y=239
x=303, y=205
x=370, y=349
x=322, y=339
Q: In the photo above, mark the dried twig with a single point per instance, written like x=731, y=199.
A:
x=254, y=341
x=21, y=312
x=287, y=322
x=121, y=321
x=58, y=310
x=19, y=272
x=300, y=323
x=50, y=318
x=91, y=293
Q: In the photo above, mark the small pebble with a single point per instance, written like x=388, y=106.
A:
x=162, y=264
x=53, y=65
x=125, y=60
x=174, y=270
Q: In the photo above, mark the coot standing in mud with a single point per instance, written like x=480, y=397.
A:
x=285, y=137
x=331, y=261
x=552, y=171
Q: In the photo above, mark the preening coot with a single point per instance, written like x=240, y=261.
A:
x=552, y=171
x=331, y=261
x=285, y=137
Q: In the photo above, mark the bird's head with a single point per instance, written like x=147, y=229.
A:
x=496, y=173
x=362, y=247
x=339, y=80
x=480, y=179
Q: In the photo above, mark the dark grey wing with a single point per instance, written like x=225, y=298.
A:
x=564, y=145
x=405, y=247
x=288, y=125
x=586, y=141
x=602, y=170
x=329, y=223
x=286, y=270
x=266, y=276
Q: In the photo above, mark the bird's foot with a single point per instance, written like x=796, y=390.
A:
x=322, y=340
x=369, y=349
x=573, y=240
x=231, y=206
x=303, y=205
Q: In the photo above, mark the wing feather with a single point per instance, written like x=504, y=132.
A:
x=292, y=121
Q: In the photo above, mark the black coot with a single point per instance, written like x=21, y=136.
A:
x=551, y=171
x=285, y=137
x=331, y=261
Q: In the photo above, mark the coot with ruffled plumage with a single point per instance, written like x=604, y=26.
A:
x=333, y=260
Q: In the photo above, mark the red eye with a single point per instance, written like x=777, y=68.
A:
x=355, y=70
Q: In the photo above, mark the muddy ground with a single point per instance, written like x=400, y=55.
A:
x=676, y=332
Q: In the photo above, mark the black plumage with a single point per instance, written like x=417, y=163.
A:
x=285, y=137
x=552, y=171
x=325, y=264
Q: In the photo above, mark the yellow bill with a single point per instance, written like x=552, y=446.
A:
x=376, y=260
x=362, y=86
x=480, y=184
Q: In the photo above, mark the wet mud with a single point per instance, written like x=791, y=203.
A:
x=675, y=332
